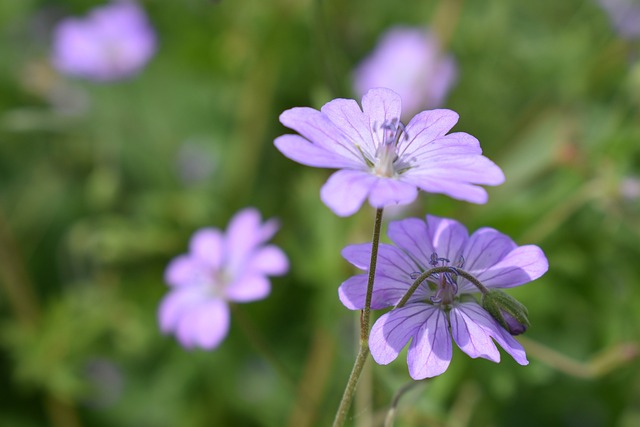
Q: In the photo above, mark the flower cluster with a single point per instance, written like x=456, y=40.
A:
x=113, y=42
x=220, y=268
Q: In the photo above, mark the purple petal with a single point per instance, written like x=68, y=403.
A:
x=247, y=288
x=345, y=191
x=430, y=351
x=391, y=191
x=420, y=239
x=348, y=116
x=459, y=168
x=391, y=260
x=206, y=246
x=420, y=150
x=185, y=270
x=245, y=233
x=521, y=265
x=387, y=292
x=424, y=128
x=392, y=330
x=317, y=128
x=457, y=190
x=302, y=151
x=383, y=106
x=269, y=260
x=174, y=306
x=205, y=326
x=472, y=329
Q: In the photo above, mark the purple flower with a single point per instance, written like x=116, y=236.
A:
x=382, y=160
x=624, y=15
x=113, y=42
x=441, y=307
x=219, y=268
x=410, y=62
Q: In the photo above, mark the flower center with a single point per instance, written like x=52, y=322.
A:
x=386, y=156
x=446, y=283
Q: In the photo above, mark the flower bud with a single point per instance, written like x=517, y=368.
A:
x=508, y=311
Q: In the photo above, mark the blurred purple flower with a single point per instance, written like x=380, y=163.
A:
x=408, y=61
x=219, y=268
x=113, y=42
x=381, y=159
x=624, y=16
x=441, y=307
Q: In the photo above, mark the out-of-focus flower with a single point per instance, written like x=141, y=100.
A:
x=381, y=159
x=219, y=268
x=410, y=62
x=113, y=42
x=624, y=16
x=441, y=307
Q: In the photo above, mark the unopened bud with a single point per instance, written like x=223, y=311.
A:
x=507, y=310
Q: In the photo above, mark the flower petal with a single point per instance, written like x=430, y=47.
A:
x=430, y=351
x=205, y=326
x=424, y=128
x=249, y=287
x=302, y=151
x=321, y=131
x=457, y=190
x=269, y=260
x=392, y=331
x=391, y=191
x=245, y=233
x=347, y=115
x=345, y=191
x=206, y=245
x=185, y=270
x=472, y=327
x=521, y=265
x=391, y=261
x=420, y=239
x=175, y=304
x=383, y=106
x=387, y=292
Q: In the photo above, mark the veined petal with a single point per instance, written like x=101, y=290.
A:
x=387, y=292
x=205, y=326
x=472, y=327
x=419, y=149
x=391, y=191
x=485, y=248
x=345, y=191
x=347, y=115
x=457, y=168
x=302, y=151
x=248, y=287
x=457, y=190
x=430, y=351
x=207, y=246
x=383, y=106
x=391, y=260
x=317, y=128
x=521, y=265
x=392, y=331
x=424, y=128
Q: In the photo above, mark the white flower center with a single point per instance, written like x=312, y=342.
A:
x=386, y=156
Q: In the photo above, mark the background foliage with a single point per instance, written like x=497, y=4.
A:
x=101, y=184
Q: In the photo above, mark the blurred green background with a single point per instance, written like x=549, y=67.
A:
x=102, y=184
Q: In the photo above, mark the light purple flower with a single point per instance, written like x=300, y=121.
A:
x=113, y=42
x=382, y=160
x=624, y=16
x=410, y=62
x=219, y=268
x=442, y=307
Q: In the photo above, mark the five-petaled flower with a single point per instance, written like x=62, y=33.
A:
x=381, y=159
x=219, y=268
x=113, y=42
x=441, y=307
x=410, y=62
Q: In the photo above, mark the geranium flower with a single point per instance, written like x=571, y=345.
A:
x=219, y=268
x=442, y=307
x=382, y=160
x=624, y=16
x=410, y=62
x=113, y=42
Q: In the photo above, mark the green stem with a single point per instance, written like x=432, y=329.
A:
x=365, y=318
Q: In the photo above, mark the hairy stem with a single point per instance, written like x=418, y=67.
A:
x=365, y=318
